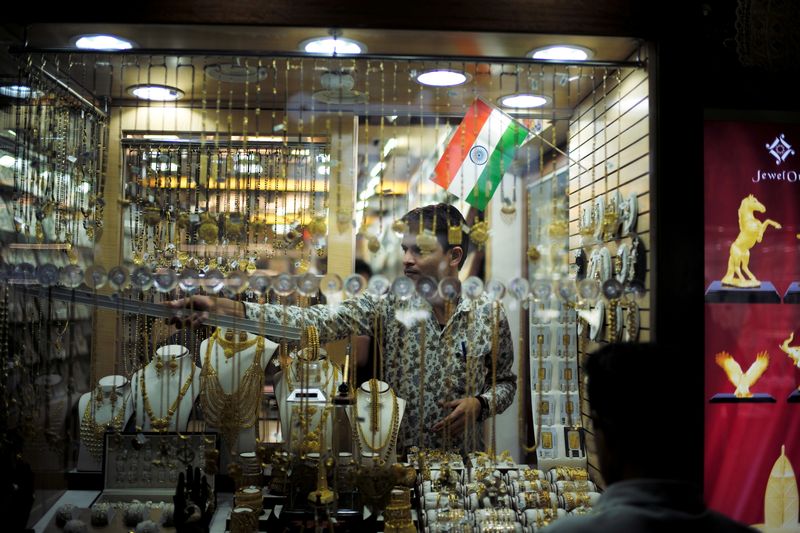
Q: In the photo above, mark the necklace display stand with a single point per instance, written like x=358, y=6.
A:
x=304, y=391
x=231, y=361
x=162, y=389
x=95, y=416
x=377, y=443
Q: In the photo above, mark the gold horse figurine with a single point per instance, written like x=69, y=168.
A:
x=751, y=231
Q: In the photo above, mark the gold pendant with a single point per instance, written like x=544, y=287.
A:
x=479, y=233
x=454, y=235
x=400, y=227
x=426, y=242
x=533, y=253
x=373, y=244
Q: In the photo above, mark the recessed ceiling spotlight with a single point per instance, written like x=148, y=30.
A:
x=561, y=52
x=20, y=91
x=442, y=78
x=234, y=73
x=522, y=101
x=98, y=41
x=330, y=46
x=161, y=93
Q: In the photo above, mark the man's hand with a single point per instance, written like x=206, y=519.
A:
x=463, y=409
x=193, y=310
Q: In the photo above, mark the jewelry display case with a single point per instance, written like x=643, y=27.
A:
x=236, y=191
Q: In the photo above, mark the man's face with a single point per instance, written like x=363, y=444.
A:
x=435, y=264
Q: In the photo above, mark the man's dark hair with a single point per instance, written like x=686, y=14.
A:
x=632, y=392
x=444, y=216
x=363, y=268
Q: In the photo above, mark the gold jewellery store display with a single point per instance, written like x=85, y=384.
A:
x=251, y=188
x=495, y=494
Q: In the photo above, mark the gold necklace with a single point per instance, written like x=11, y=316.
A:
x=161, y=425
x=312, y=440
x=231, y=348
x=92, y=432
x=385, y=447
x=239, y=409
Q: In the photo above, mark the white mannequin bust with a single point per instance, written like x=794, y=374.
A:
x=380, y=442
x=117, y=413
x=230, y=370
x=307, y=374
x=163, y=387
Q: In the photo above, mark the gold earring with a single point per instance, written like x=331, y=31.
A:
x=159, y=365
x=173, y=366
x=113, y=397
x=98, y=395
x=242, y=336
x=229, y=335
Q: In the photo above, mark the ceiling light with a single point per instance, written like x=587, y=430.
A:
x=7, y=161
x=102, y=42
x=233, y=73
x=331, y=46
x=159, y=93
x=522, y=101
x=561, y=52
x=19, y=91
x=442, y=78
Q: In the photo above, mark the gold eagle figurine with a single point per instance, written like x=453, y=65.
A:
x=742, y=381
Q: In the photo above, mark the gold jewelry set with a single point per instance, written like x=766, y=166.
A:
x=539, y=499
x=231, y=413
x=567, y=473
x=159, y=365
x=532, y=474
x=572, y=500
x=93, y=433
x=543, y=517
x=250, y=497
x=397, y=514
x=312, y=438
x=244, y=520
x=385, y=448
x=161, y=424
x=231, y=346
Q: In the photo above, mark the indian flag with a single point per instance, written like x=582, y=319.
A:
x=478, y=153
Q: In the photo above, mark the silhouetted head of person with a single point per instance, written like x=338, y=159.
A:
x=636, y=416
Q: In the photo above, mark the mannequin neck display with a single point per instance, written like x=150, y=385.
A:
x=232, y=376
x=306, y=374
x=376, y=421
x=164, y=393
x=107, y=411
x=306, y=421
x=231, y=353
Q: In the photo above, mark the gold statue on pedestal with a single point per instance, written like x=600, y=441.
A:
x=792, y=351
x=742, y=381
x=751, y=231
x=781, y=499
